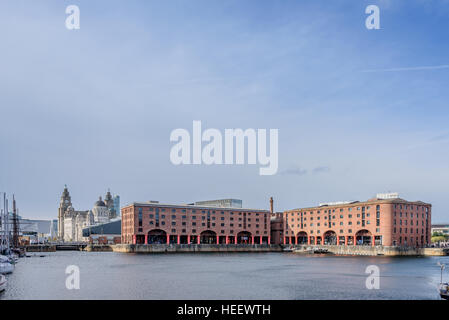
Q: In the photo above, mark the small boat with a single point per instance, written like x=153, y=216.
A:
x=6, y=268
x=444, y=286
x=9, y=259
x=3, y=282
x=444, y=290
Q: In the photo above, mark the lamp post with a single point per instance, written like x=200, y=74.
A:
x=442, y=266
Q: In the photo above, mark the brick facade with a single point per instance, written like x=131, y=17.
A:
x=182, y=224
x=392, y=222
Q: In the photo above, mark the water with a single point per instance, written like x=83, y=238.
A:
x=108, y=275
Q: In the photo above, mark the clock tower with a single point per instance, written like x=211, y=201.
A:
x=65, y=203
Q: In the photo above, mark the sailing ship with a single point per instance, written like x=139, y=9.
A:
x=8, y=258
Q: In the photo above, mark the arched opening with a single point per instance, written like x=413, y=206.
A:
x=330, y=238
x=301, y=237
x=363, y=237
x=157, y=236
x=208, y=237
x=244, y=237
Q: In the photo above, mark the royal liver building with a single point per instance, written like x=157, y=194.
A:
x=72, y=222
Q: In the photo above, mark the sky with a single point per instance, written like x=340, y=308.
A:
x=358, y=111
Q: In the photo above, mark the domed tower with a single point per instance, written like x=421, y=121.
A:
x=64, y=204
x=100, y=212
x=110, y=204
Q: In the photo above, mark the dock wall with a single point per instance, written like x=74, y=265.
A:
x=177, y=248
x=40, y=248
x=373, y=251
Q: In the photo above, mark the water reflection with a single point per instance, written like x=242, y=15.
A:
x=106, y=275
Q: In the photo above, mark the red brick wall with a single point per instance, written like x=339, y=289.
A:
x=346, y=220
x=181, y=220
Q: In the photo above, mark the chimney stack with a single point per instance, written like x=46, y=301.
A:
x=271, y=204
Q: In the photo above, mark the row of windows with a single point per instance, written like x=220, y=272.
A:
x=406, y=221
x=333, y=223
x=206, y=211
x=411, y=207
x=151, y=216
x=406, y=230
x=333, y=217
x=319, y=231
x=204, y=224
x=411, y=215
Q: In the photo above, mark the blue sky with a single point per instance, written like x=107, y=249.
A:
x=93, y=108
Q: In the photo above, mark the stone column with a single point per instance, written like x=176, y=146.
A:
x=227, y=239
x=235, y=240
x=134, y=239
x=188, y=239
x=252, y=239
x=168, y=239
x=269, y=239
x=374, y=241
x=146, y=239
x=198, y=239
x=179, y=239
x=218, y=239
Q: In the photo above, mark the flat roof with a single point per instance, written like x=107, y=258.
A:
x=186, y=206
x=361, y=203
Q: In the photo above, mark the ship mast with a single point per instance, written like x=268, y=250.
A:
x=5, y=226
x=15, y=224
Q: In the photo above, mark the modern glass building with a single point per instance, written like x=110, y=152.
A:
x=116, y=200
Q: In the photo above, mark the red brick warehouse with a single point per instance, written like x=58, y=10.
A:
x=389, y=222
x=152, y=223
